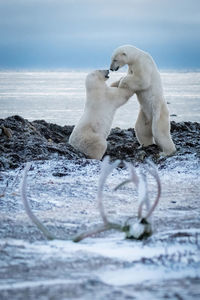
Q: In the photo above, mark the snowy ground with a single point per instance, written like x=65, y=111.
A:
x=62, y=194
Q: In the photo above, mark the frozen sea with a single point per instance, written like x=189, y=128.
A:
x=59, y=97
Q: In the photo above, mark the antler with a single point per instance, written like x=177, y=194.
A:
x=142, y=228
x=139, y=230
x=28, y=210
x=142, y=187
x=106, y=169
x=133, y=176
x=154, y=173
x=142, y=194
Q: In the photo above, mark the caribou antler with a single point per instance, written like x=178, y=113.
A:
x=106, y=169
x=142, y=228
x=28, y=210
x=138, y=230
x=153, y=171
x=133, y=176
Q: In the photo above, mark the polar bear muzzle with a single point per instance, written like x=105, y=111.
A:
x=105, y=73
x=113, y=67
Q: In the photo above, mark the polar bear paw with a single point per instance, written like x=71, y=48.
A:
x=164, y=154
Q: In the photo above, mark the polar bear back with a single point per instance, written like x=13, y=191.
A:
x=145, y=68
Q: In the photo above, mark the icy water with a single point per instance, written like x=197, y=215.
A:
x=59, y=97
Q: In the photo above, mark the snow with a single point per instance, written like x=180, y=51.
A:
x=67, y=205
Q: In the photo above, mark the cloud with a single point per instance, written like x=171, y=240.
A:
x=57, y=29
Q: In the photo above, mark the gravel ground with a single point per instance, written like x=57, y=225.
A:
x=22, y=141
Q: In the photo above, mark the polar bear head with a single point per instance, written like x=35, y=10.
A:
x=122, y=56
x=96, y=78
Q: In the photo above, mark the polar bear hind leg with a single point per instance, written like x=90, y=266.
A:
x=94, y=147
x=143, y=130
x=162, y=137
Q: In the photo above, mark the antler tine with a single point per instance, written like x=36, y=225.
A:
x=154, y=173
x=106, y=169
x=89, y=233
x=142, y=193
x=96, y=230
x=122, y=183
x=141, y=184
x=33, y=218
x=133, y=176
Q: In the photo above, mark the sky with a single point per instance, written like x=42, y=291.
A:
x=77, y=34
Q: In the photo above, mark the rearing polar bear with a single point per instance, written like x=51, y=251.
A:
x=90, y=134
x=143, y=78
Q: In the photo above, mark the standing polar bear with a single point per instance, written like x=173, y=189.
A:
x=90, y=134
x=143, y=78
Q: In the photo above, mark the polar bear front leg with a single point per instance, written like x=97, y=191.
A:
x=143, y=130
x=126, y=82
x=162, y=137
x=135, y=83
x=115, y=84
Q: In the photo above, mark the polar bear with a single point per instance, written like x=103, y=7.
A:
x=144, y=79
x=90, y=134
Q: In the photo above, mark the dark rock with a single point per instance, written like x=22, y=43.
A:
x=39, y=140
x=59, y=174
x=36, y=140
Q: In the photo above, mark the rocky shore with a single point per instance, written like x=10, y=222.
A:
x=22, y=141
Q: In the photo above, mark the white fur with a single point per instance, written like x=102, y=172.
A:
x=143, y=78
x=90, y=134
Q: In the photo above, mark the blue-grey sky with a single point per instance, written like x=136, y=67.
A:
x=50, y=34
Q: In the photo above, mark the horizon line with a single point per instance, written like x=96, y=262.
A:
x=181, y=70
